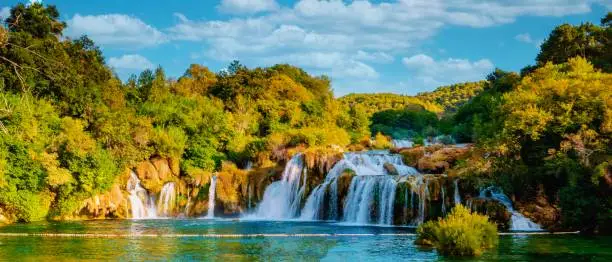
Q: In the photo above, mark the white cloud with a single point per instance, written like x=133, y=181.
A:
x=335, y=64
x=115, y=29
x=5, y=12
x=357, y=33
x=426, y=72
x=247, y=6
x=525, y=38
x=131, y=62
x=374, y=57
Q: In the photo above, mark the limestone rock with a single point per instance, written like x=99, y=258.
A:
x=441, y=160
x=391, y=169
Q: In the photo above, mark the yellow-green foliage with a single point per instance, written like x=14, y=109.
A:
x=572, y=100
x=461, y=233
x=382, y=142
x=453, y=96
x=379, y=102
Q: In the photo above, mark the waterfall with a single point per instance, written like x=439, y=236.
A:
x=143, y=205
x=282, y=199
x=372, y=187
x=367, y=193
x=167, y=199
x=518, y=221
x=211, y=197
x=423, y=194
x=457, y=196
x=387, y=199
x=370, y=196
x=360, y=200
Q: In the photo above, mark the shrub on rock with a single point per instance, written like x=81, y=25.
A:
x=461, y=233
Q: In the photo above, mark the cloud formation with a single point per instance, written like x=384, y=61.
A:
x=5, y=12
x=345, y=39
x=115, y=29
x=358, y=34
x=525, y=38
x=428, y=72
x=130, y=62
x=247, y=6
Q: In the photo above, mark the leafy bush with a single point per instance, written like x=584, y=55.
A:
x=381, y=142
x=461, y=233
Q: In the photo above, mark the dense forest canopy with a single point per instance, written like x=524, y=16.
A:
x=69, y=128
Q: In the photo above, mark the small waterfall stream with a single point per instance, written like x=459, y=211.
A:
x=167, y=200
x=518, y=221
x=142, y=205
x=457, y=197
x=282, y=199
x=212, y=197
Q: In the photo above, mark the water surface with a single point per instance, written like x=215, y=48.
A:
x=232, y=240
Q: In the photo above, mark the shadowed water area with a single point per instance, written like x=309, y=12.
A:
x=262, y=240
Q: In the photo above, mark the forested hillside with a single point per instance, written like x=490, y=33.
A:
x=454, y=96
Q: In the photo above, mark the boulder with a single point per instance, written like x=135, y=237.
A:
x=441, y=160
x=391, y=169
x=411, y=156
x=112, y=204
x=154, y=173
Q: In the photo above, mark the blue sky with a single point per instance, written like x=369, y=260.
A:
x=399, y=46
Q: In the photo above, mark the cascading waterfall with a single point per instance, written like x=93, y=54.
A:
x=518, y=221
x=167, y=199
x=143, y=206
x=282, y=199
x=370, y=197
x=212, y=197
x=368, y=193
x=371, y=188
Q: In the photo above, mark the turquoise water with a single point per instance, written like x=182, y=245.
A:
x=227, y=240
